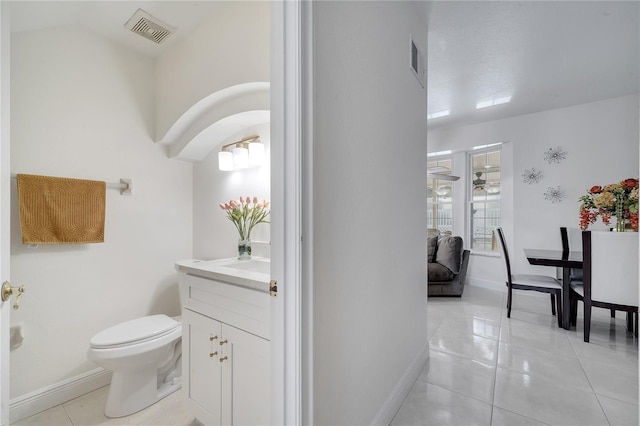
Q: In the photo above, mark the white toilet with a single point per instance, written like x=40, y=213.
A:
x=145, y=357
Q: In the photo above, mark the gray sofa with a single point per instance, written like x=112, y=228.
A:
x=446, y=265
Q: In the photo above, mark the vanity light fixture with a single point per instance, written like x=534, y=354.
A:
x=240, y=157
x=256, y=153
x=242, y=154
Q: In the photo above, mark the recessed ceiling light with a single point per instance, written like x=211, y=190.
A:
x=438, y=114
x=435, y=154
x=487, y=145
x=493, y=102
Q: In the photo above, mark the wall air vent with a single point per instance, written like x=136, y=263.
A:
x=416, y=62
x=149, y=26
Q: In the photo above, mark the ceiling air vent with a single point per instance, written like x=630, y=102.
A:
x=149, y=26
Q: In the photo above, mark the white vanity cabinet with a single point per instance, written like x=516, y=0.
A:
x=225, y=351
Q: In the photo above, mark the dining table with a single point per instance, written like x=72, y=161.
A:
x=564, y=259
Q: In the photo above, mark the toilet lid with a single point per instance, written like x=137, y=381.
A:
x=135, y=330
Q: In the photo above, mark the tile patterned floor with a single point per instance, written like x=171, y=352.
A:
x=484, y=369
x=487, y=369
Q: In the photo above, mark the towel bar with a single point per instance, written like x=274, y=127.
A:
x=125, y=185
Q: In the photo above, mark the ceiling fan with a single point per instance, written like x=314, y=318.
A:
x=439, y=172
x=478, y=182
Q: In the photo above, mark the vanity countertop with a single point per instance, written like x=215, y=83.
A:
x=253, y=273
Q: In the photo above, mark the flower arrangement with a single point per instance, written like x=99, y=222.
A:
x=617, y=199
x=245, y=214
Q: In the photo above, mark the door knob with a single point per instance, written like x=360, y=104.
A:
x=7, y=291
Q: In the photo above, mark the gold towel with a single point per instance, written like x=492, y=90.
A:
x=57, y=210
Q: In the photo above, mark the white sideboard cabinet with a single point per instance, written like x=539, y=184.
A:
x=225, y=352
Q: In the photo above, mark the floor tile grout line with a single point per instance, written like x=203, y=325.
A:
x=503, y=320
x=490, y=404
x=604, y=412
x=522, y=415
x=495, y=373
x=576, y=358
x=67, y=413
x=463, y=357
x=459, y=393
x=602, y=408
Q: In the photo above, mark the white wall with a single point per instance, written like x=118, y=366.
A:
x=601, y=141
x=369, y=251
x=229, y=48
x=83, y=107
x=204, y=62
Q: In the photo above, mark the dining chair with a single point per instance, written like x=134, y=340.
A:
x=610, y=277
x=540, y=283
x=572, y=240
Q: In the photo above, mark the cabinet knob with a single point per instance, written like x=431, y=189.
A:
x=212, y=354
x=222, y=342
x=224, y=358
x=212, y=338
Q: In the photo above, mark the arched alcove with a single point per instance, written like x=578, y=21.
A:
x=215, y=119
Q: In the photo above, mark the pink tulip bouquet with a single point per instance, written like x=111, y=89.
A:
x=245, y=214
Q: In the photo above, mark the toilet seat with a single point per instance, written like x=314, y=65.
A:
x=136, y=331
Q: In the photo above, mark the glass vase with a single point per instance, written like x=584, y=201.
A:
x=620, y=222
x=244, y=249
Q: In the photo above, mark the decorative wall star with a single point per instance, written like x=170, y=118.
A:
x=555, y=195
x=555, y=155
x=531, y=175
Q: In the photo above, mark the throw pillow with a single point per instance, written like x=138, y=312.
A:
x=439, y=273
x=432, y=245
x=449, y=253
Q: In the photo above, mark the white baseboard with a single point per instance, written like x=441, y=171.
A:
x=490, y=285
x=400, y=392
x=56, y=394
x=501, y=287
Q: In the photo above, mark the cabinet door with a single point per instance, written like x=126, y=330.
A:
x=246, y=378
x=201, y=337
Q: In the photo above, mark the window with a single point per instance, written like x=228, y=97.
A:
x=484, y=201
x=440, y=197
